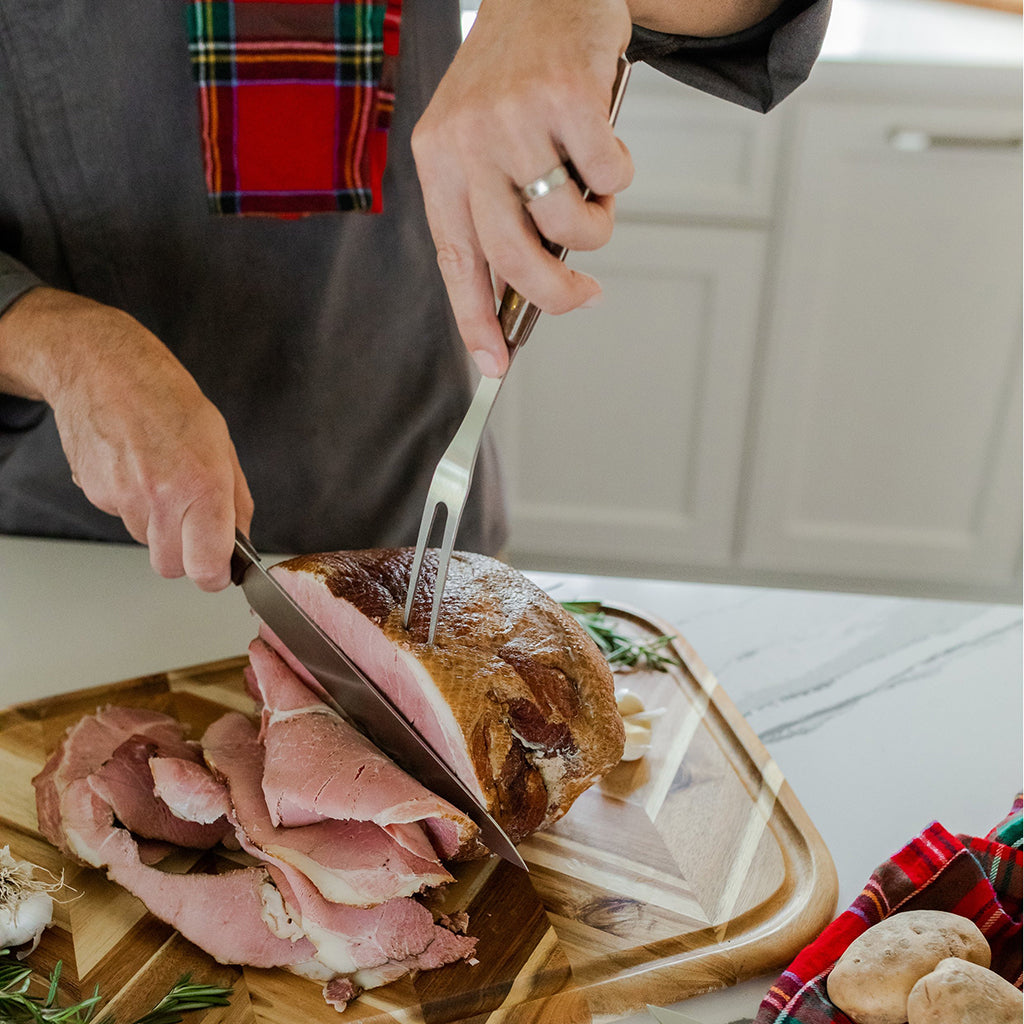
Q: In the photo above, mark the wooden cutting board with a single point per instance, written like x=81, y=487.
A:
x=681, y=873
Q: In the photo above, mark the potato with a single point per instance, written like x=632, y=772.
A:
x=873, y=978
x=959, y=992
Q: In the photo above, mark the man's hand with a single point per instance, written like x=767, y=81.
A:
x=142, y=440
x=529, y=89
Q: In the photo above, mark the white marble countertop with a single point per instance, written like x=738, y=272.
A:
x=883, y=713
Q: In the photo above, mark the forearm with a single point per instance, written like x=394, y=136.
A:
x=16, y=281
x=23, y=361
x=707, y=18
x=141, y=439
x=49, y=336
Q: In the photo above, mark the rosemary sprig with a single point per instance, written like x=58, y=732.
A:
x=184, y=997
x=622, y=651
x=18, y=1007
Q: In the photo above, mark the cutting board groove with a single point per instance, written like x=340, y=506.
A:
x=686, y=871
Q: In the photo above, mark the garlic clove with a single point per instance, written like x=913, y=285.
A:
x=638, y=741
x=648, y=715
x=637, y=723
x=628, y=702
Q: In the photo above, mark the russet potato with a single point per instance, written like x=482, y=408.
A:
x=873, y=979
x=959, y=992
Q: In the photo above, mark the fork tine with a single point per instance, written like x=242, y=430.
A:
x=426, y=525
x=449, y=486
x=451, y=528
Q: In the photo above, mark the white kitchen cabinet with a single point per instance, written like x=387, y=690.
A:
x=697, y=159
x=622, y=426
x=888, y=419
x=806, y=368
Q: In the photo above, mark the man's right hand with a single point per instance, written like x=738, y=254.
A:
x=142, y=440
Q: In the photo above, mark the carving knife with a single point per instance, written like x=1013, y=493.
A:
x=357, y=696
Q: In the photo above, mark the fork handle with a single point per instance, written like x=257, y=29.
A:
x=516, y=315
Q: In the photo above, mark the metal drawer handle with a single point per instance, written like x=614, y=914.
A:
x=916, y=140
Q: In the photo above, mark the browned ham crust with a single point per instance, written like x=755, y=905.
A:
x=531, y=695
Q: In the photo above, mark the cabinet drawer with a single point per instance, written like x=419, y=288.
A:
x=695, y=156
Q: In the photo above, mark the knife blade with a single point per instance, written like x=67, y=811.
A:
x=357, y=696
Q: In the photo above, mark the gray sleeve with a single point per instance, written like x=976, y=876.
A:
x=16, y=414
x=755, y=68
x=15, y=280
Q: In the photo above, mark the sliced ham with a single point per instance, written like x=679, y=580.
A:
x=319, y=767
x=273, y=913
x=371, y=946
x=125, y=782
x=189, y=790
x=88, y=743
x=237, y=916
x=330, y=900
x=352, y=862
x=513, y=693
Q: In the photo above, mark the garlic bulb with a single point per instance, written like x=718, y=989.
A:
x=26, y=906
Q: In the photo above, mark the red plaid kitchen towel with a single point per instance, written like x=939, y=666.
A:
x=977, y=878
x=295, y=101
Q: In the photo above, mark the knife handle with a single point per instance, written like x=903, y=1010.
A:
x=242, y=557
x=517, y=316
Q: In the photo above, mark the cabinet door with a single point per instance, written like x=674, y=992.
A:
x=621, y=426
x=695, y=155
x=888, y=428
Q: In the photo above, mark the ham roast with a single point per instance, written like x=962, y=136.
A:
x=513, y=693
x=336, y=842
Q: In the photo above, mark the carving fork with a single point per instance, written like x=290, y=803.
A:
x=450, y=483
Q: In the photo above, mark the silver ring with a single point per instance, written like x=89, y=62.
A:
x=546, y=183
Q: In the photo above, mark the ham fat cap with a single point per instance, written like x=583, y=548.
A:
x=513, y=693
